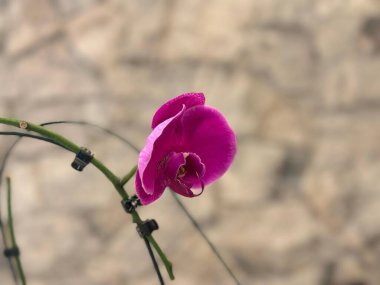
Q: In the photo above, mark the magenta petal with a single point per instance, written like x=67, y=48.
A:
x=144, y=197
x=181, y=188
x=207, y=133
x=172, y=107
x=158, y=145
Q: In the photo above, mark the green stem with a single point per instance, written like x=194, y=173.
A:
x=117, y=183
x=165, y=260
x=128, y=176
x=70, y=146
x=12, y=232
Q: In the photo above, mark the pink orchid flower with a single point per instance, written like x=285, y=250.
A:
x=191, y=146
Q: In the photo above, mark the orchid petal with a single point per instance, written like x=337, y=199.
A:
x=172, y=107
x=207, y=133
x=158, y=145
x=144, y=197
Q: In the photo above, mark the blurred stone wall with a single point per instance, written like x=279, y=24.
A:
x=299, y=82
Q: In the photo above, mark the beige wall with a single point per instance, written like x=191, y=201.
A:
x=299, y=82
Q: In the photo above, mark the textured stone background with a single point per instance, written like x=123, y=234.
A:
x=299, y=82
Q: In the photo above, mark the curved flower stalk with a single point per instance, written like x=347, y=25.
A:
x=14, y=246
x=117, y=183
x=191, y=145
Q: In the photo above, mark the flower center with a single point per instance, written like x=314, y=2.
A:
x=181, y=171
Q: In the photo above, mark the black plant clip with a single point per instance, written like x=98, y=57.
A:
x=131, y=204
x=11, y=252
x=82, y=159
x=146, y=228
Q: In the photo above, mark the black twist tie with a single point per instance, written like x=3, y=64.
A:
x=82, y=159
x=131, y=204
x=146, y=228
x=11, y=252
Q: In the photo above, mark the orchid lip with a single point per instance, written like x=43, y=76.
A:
x=188, y=188
x=202, y=185
x=182, y=170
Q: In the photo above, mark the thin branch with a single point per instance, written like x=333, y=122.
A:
x=107, y=131
x=204, y=236
x=12, y=232
x=5, y=245
x=155, y=265
x=129, y=175
x=19, y=134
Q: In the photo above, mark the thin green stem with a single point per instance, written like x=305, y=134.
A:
x=108, y=131
x=2, y=226
x=67, y=144
x=165, y=260
x=204, y=236
x=12, y=232
x=128, y=176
